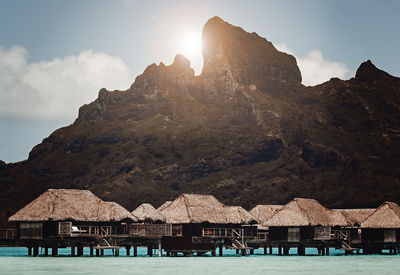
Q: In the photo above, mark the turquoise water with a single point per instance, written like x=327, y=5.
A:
x=15, y=261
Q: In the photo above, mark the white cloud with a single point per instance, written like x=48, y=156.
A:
x=54, y=90
x=314, y=68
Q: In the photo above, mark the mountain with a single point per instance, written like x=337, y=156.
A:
x=246, y=130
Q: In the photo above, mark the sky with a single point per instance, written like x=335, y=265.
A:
x=56, y=55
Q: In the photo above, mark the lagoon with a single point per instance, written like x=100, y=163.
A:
x=15, y=261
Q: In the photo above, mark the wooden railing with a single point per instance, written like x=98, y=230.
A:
x=150, y=230
x=8, y=234
x=340, y=235
x=228, y=233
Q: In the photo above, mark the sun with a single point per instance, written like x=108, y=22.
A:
x=191, y=48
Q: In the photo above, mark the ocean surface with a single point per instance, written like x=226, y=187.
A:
x=16, y=261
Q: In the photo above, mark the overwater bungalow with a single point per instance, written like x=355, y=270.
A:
x=68, y=217
x=200, y=222
x=303, y=222
x=381, y=230
x=262, y=213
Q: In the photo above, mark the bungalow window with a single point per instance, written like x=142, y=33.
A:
x=293, y=234
x=31, y=230
x=389, y=235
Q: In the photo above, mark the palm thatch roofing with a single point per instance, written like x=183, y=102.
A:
x=238, y=215
x=147, y=213
x=165, y=204
x=305, y=212
x=264, y=212
x=196, y=208
x=386, y=216
x=355, y=217
x=74, y=205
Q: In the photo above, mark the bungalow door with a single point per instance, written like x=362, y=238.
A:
x=293, y=234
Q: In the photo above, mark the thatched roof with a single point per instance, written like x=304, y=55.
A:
x=238, y=215
x=71, y=204
x=165, y=204
x=264, y=212
x=355, y=217
x=147, y=213
x=386, y=216
x=196, y=208
x=305, y=212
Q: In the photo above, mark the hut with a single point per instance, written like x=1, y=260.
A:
x=381, y=229
x=263, y=213
x=69, y=212
x=303, y=220
x=146, y=213
x=200, y=221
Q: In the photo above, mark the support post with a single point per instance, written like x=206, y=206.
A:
x=72, y=251
x=323, y=251
x=243, y=252
x=286, y=250
x=220, y=251
x=116, y=252
x=91, y=250
x=270, y=249
x=46, y=251
x=97, y=252
x=237, y=251
x=280, y=250
x=327, y=250
x=135, y=250
x=128, y=250
x=54, y=250
x=265, y=250
x=213, y=252
x=35, y=250
x=150, y=250
x=251, y=251
x=80, y=250
x=159, y=249
x=29, y=250
x=102, y=252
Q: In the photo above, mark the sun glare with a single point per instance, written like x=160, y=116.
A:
x=191, y=49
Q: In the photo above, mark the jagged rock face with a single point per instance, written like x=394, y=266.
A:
x=235, y=56
x=245, y=130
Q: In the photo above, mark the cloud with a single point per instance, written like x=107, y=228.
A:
x=54, y=90
x=315, y=69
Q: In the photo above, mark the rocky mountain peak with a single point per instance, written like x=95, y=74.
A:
x=368, y=72
x=233, y=54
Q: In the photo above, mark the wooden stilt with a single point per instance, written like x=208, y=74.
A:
x=116, y=252
x=213, y=252
x=220, y=251
x=159, y=249
x=251, y=251
x=280, y=250
x=243, y=252
x=168, y=253
x=80, y=250
x=46, y=251
x=35, y=250
x=102, y=252
x=286, y=250
x=237, y=251
x=72, y=251
x=128, y=250
x=327, y=250
x=29, y=250
x=265, y=250
x=54, y=250
x=91, y=250
x=150, y=250
x=97, y=252
x=135, y=250
x=270, y=249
